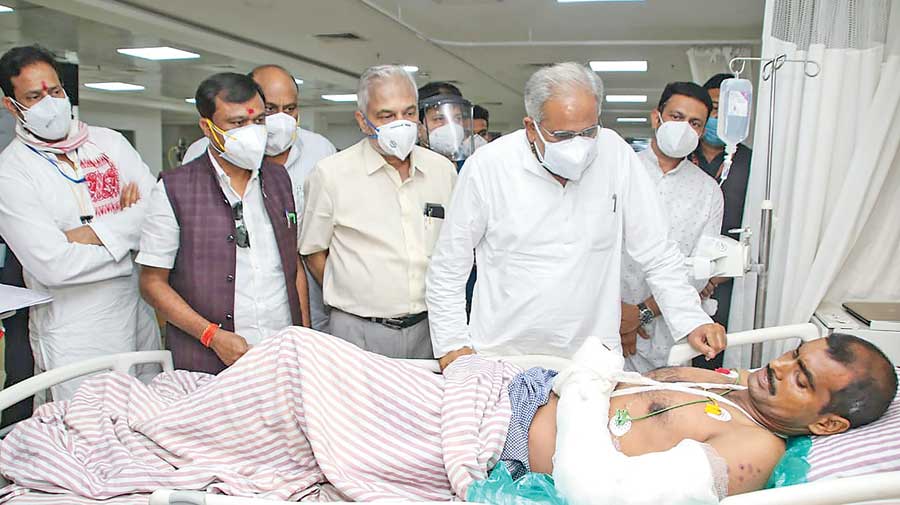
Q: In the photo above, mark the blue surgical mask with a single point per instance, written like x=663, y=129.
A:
x=711, y=135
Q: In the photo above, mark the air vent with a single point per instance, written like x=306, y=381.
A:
x=491, y=104
x=537, y=65
x=338, y=36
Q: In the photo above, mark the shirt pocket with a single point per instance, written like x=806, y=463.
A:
x=601, y=224
x=264, y=245
x=432, y=222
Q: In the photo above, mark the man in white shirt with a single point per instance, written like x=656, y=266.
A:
x=549, y=210
x=295, y=148
x=219, y=248
x=693, y=206
x=71, y=209
x=373, y=213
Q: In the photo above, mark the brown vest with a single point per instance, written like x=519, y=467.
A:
x=205, y=264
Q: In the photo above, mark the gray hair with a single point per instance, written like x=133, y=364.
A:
x=380, y=73
x=550, y=82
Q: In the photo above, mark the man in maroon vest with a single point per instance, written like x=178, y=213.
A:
x=219, y=247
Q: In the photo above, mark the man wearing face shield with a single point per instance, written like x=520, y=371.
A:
x=73, y=199
x=448, y=127
x=549, y=211
x=219, y=249
x=297, y=149
x=693, y=206
x=373, y=213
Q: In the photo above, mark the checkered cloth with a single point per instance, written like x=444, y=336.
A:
x=528, y=391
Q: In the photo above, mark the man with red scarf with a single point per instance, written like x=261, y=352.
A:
x=71, y=209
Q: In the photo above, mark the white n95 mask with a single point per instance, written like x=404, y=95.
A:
x=568, y=158
x=49, y=119
x=396, y=138
x=281, y=131
x=446, y=139
x=244, y=146
x=472, y=144
x=676, y=139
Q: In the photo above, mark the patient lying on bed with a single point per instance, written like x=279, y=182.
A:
x=823, y=387
x=305, y=410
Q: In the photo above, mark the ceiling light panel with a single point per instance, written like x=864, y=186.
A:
x=158, y=53
x=619, y=66
x=340, y=98
x=626, y=98
x=114, y=86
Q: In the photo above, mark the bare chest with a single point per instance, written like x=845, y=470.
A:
x=659, y=420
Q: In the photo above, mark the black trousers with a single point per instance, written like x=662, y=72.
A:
x=19, y=360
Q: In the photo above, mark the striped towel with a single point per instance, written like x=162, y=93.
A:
x=299, y=411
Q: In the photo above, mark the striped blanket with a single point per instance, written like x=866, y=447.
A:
x=299, y=414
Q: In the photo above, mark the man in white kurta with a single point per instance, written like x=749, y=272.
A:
x=67, y=224
x=548, y=245
x=692, y=206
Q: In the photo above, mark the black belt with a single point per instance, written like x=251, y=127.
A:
x=399, y=323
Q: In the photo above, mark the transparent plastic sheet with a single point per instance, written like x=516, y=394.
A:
x=793, y=466
x=500, y=489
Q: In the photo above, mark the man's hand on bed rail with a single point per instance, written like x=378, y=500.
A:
x=708, y=339
x=452, y=355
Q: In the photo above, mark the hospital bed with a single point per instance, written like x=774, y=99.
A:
x=874, y=489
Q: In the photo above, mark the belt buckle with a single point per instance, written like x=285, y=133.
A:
x=393, y=323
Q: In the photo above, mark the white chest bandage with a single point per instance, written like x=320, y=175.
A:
x=588, y=469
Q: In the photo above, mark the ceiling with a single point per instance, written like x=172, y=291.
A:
x=489, y=47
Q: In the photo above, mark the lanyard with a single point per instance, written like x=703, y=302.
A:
x=56, y=165
x=85, y=217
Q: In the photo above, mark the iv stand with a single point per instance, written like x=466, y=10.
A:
x=761, y=267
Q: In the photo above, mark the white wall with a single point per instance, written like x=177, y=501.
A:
x=341, y=135
x=146, y=124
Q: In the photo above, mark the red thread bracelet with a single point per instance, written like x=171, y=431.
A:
x=208, y=334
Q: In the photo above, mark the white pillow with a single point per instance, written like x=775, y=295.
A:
x=873, y=448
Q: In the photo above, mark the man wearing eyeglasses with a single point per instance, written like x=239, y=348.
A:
x=297, y=149
x=219, y=248
x=549, y=210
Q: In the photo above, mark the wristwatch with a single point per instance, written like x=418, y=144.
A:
x=644, y=314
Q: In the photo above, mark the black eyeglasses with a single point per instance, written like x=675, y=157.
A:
x=241, y=235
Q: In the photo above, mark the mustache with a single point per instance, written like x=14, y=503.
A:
x=771, y=376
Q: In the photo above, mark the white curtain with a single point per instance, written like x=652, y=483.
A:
x=835, y=163
x=706, y=62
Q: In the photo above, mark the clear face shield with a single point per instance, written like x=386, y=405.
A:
x=448, y=126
